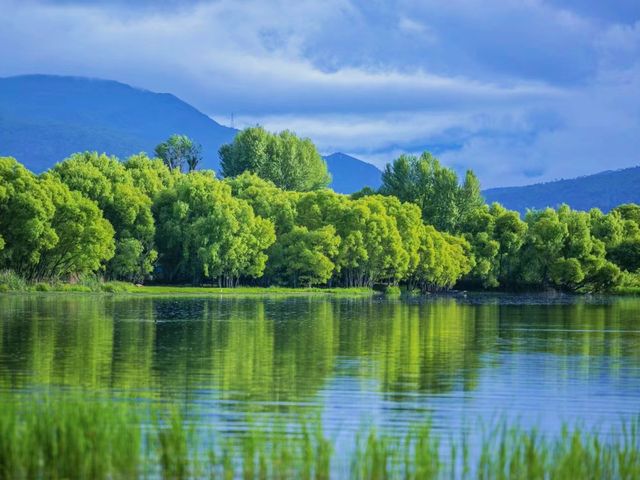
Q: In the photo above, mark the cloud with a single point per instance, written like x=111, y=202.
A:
x=519, y=90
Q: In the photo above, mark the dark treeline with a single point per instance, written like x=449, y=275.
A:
x=272, y=220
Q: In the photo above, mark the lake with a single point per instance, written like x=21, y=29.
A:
x=234, y=362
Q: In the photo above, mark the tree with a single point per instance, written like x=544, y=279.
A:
x=111, y=185
x=627, y=254
x=443, y=260
x=303, y=257
x=205, y=233
x=178, y=151
x=434, y=188
x=25, y=219
x=267, y=200
x=50, y=232
x=509, y=231
x=560, y=250
x=150, y=176
x=286, y=160
x=84, y=237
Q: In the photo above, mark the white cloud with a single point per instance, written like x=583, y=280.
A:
x=512, y=88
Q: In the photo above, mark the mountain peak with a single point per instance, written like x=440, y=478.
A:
x=351, y=174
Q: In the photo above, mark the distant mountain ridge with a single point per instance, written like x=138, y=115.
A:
x=604, y=190
x=350, y=174
x=45, y=118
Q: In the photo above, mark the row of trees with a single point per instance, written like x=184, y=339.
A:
x=139, y=218
x=562, y=248
x=272, y=221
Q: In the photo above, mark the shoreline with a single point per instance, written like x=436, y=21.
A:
x=124, y=289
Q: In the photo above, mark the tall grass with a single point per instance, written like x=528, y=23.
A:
x=68, y=439
x=93, y=438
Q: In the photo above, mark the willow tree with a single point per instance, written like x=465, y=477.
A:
x=290, y=162
x=112, y=186
x=204, y=233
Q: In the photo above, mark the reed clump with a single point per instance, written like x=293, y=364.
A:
x=105, y=439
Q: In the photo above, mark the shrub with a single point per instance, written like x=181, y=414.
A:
x=12, y=280
x=392, y=291
x=42, y=287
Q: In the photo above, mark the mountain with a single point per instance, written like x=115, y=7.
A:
x=604, y=190
x=45, y=118
x=350, y=174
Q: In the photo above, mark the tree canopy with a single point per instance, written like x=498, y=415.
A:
x=290, y=162
x=178, y=152
x=140, y=219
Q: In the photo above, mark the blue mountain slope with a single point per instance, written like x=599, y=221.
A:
x=350, y=174
x=45, y=118
x=604, y=190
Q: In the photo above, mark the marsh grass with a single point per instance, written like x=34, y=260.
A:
x=104, y=439
x=68, y=439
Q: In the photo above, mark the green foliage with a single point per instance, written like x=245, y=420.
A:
x=107, y=181
x=179, y=151
x=392, y=291
x=140, y=219
x=11, y=281
x=74, y=438
x=97, y=439
x=49, y=231
x=627, y=254
x=25, y=219
x=434, y=188
x=290, y=162
x=561, y=250
x=303, y=257
x=206, y=233
x=149, y=175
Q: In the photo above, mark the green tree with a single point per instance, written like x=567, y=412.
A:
x=205, y=233
x=150, y=176
x=434, y=188
x=178, y=151
x=288, y=161
x=50, y=232
x=25, y=219
x=443, y=260
x=267, y=200
x=627, y=254
x=111, y=185
x=85, y=238
x=560, y=250
x=303, y=257
x=509, y=231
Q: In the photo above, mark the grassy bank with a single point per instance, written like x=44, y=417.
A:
x=75, y=438
x=12, y=283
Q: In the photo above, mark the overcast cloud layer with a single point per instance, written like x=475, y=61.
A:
x=519, y=90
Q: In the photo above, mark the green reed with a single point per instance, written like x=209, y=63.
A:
x=63, y=437
x=68, y=439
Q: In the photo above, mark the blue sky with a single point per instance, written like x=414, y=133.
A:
x=519, y=90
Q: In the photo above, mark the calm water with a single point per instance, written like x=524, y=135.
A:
x=230, y=361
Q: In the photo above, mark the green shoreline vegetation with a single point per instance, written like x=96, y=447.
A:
x=271, y=222
x=61, y=437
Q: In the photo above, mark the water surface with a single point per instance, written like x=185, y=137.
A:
x=232, y=362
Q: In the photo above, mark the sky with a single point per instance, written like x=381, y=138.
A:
x=520, y=91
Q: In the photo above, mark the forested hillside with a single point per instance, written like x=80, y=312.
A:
x=604, y=190
x=45, y=118
x=350, y=174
